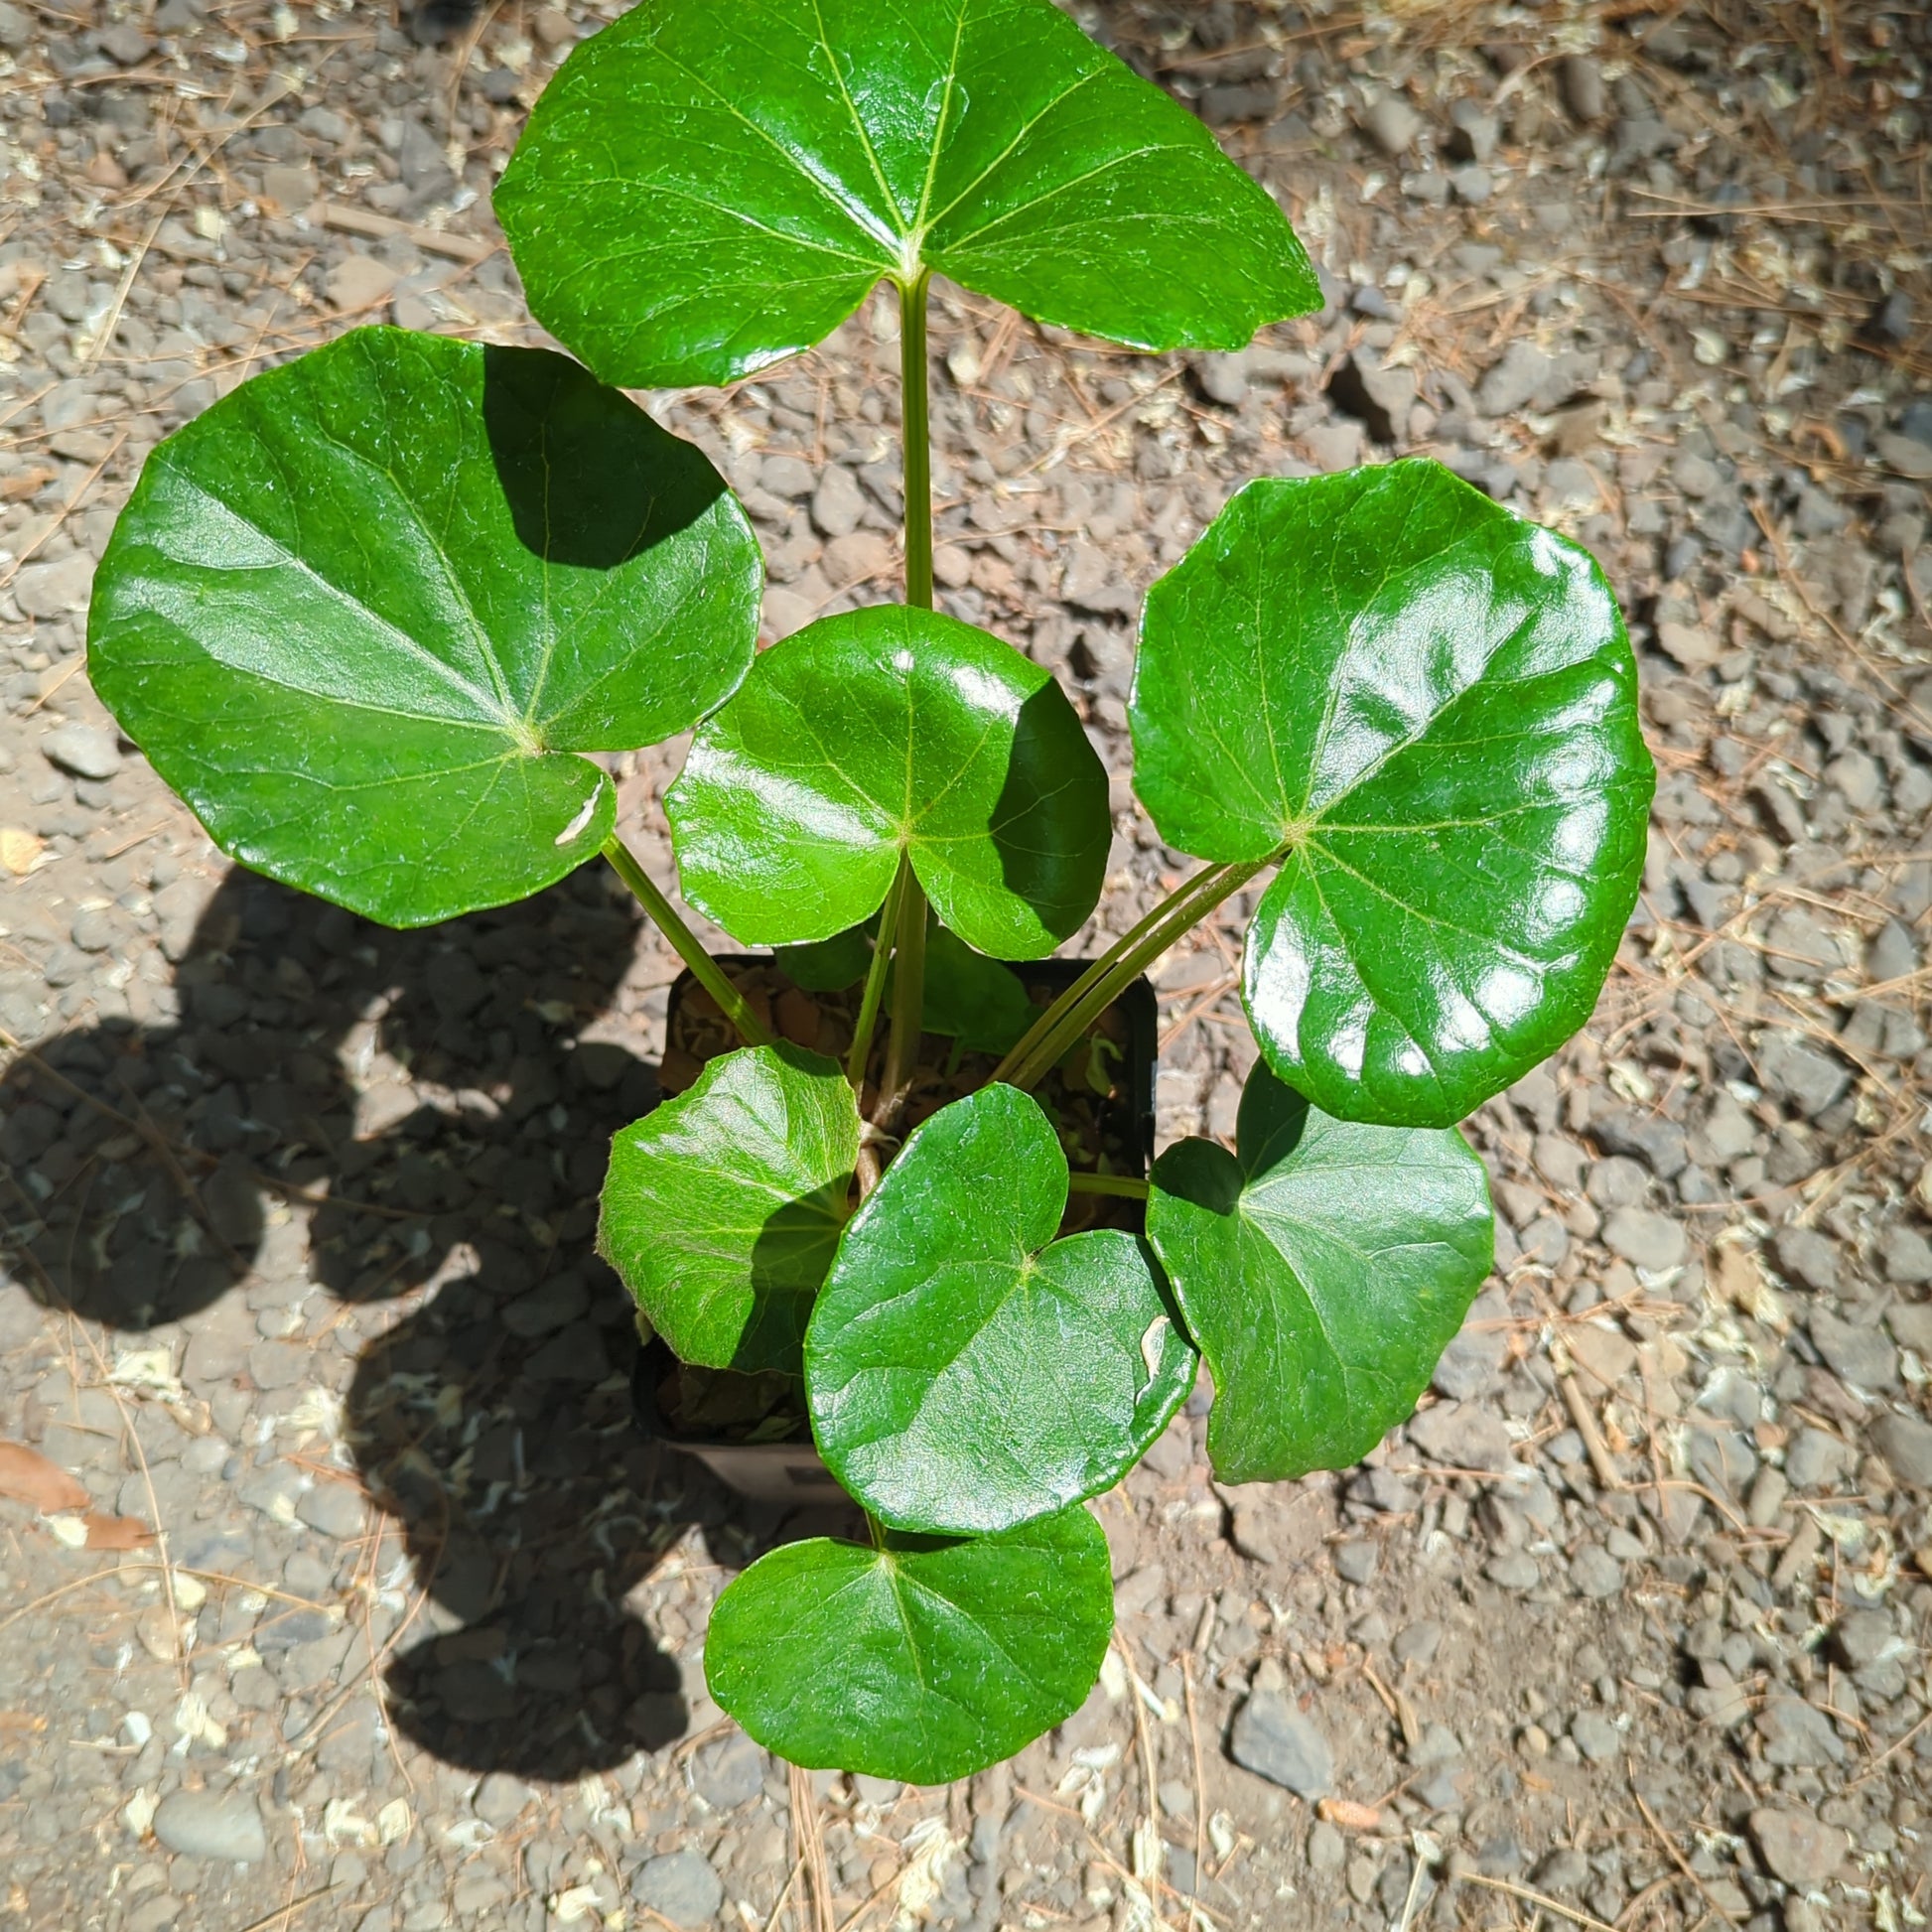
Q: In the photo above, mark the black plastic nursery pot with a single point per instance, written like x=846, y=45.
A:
x=789, y=1471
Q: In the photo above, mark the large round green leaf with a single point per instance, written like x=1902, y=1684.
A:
x=1428, y=709
x=361, y=613
x=723, y=1209
x=965, y=1370
x=704, y=190
x=886, y=730
x=1322, y=1270
x=923, y=1661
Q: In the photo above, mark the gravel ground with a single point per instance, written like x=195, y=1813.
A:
x=337, y=1590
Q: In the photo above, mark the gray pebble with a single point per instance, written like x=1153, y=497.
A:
x=1799, y=1072
x=224, y=1826
x=1392, y=124
x=788, y=476
x=1514, y=382
x=501, y=1799
x=1595, y=1737
x=1797, y=1845
x=1355, y=1562
x=82, y=751
x=333, y=1508
x=1906, y=1445
x=1594, y=1573
x=1645, y=1238
x=1273, y=1739
x=681, y=1886
x=730, y=1772
x=1863, y=1358
x=1582, y=81
x=1224, y=378
x=1905, y=1255
x=1513, y=1570
x=1808, y=1258
x=1798, y=1734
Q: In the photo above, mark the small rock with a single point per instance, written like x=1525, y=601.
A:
x=1464, y=1435
x=1418, y=1644
x=501, y=1799
x=358, y=282
x=1355, y=1563
x=1807, y=1258
x=1472, y=187
x=1906, y=1445
x=1692, y=645
x=730, y=1772
x=1795, y=1070
x=1908, y=455
x=1515, y=1569
x=1594, y=1573
x=1273, y=1739
x=1582, y=81
x=1224, y=378
x=1392, y=124
x=333, y=1508
x=1798, y=1734
x=1814, y=1459
x=124, y=44
x=56, y=590
x=1565, y=1869
x=1863, y=1637
x=1863, y=1358
x=1327, y=1849
x=82, y=751
x=222, y=1826
x=1797, y=1845
x=1645, y=1238
x=838, y=503
x=788, y=477
x=1595, y=1737
x=1905, y=1255
x=681, y=1886
x=1474, y=132
x=1514, y=382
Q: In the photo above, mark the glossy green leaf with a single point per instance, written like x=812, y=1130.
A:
x=884, y=730
x=969, y=998
x=828, y=965
x=924, y=1661
x=723, y=1207
x=1322, y=1270
x=1429, y=707
x=362, y=611
x=704, y=190
x=965, y=1370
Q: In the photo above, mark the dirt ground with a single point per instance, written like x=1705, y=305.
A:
x=362, y=1605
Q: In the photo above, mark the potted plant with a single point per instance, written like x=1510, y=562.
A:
x=370, y=612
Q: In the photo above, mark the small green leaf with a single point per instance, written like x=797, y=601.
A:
x=361, y=612
x=1428, y=709
x=705, y=189
x=723, y=1209
x=884, y=730
x=924, y=1661
x=828, y=965
x=965, y=1370
x=1322, y=1270
x=970, y=998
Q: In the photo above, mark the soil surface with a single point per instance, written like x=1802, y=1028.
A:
x=337, y=1590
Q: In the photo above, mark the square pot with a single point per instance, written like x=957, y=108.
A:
x=790, y=1472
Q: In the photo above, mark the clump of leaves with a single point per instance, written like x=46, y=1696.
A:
x=372, y=613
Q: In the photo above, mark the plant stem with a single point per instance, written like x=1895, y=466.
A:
x=908, y=983
x=1102, y=983
x=915, y=435
x=1123, y=1184
x=882, y=953
x=704, y=969
x=909, y=999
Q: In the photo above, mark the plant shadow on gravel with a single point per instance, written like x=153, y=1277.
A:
x=494, y=1421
